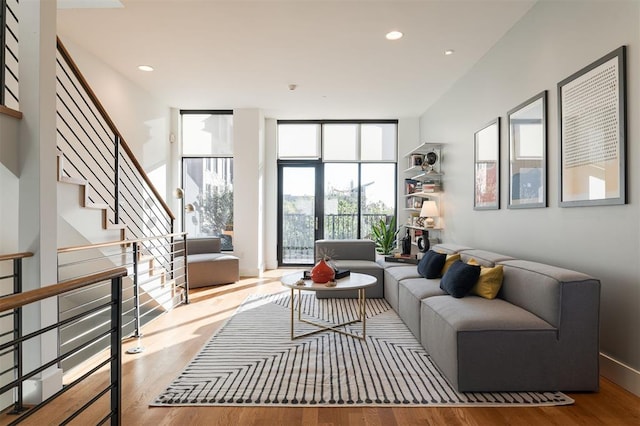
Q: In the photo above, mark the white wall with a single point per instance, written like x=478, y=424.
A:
x=248, y=190
x=551, y=42
x=271, y=194
x=144, y=121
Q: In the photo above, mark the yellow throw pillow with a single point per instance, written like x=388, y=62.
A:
x=490, y=281
x=450, y=259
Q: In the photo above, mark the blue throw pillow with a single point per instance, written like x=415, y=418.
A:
x=431, y=264
x=460, y=278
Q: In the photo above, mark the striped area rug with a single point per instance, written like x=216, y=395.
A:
x=251, y=360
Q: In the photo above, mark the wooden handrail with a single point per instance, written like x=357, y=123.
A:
x=12, y=256
x=85, y=85
x=15, y=301
x=4, y=110
x=117, y=243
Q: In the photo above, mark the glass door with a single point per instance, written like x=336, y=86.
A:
x=299, y=200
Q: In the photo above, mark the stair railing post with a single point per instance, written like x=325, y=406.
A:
x=3, y=24
x=186, y=270
x=116, y=190
x=116, y=350
x=17, y=334
x=136, y=303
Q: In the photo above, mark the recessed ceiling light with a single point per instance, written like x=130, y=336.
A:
x=145, y=68
x=394, y=35
x=449, y=52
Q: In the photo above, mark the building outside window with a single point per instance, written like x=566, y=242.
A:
x=207, y=174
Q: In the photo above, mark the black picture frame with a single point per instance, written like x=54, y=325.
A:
x=527, y=125
x=592, y=133
x=486, y=167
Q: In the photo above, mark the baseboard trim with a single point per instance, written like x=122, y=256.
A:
x=38, y=389
x=620, y=373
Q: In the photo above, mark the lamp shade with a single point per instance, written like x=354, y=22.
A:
x=429, y=209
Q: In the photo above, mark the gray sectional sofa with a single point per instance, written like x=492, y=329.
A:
x=539, y=334
x=356, y=256
x=207, y=264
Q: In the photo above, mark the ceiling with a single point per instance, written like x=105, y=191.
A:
x=245, y=54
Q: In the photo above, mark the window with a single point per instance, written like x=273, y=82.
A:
x=207, y=175
x=299, y=141
x=355, y=186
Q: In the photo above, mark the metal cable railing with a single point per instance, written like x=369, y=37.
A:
x=9, y=54
x=152, y=286
x=113, y=332
x=298, y=232
x=94, y=150
x=12, y=356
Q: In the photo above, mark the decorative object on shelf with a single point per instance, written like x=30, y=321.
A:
x=406, y=243
x=430, y=159
x=322, y=273
x=423, y=243
x=528, y=153
x=428, y=211
x=487, y=167
x=592, y=133
x=416, y=160
x=384, y=235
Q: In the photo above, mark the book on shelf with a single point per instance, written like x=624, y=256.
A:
x=399, y=258
x=410, y=186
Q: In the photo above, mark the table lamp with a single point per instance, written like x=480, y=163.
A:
x=429, y=210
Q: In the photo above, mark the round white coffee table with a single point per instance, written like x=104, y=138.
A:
x=354, y=281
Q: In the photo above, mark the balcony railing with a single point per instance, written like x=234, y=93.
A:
x=298, y=232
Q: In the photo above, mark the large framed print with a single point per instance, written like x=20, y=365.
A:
x=528, y=153
x=486, y=174
x=592, y=113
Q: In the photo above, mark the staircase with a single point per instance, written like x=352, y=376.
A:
x=110, y=215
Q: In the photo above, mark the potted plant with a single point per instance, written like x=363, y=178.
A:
x=384, y=235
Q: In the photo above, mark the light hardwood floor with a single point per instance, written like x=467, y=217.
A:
x=172, y=340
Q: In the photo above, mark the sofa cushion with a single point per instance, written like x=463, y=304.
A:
x=410, y=293
x=459, y=279
x=209, y=257
x=489, y=345
x=431, y=264
x=392, y=276
x=449, y=248
x=484, y=257
x=490, y=281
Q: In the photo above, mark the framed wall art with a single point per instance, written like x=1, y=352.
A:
x=487, y=167
x=528, y=153
x=592, y=113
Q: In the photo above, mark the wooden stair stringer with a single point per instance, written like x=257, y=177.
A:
x=85, y=200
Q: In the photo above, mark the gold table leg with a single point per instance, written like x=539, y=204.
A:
x=362, y=317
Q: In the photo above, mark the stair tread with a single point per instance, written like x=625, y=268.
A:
x=97, y=206
x=71, y=180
